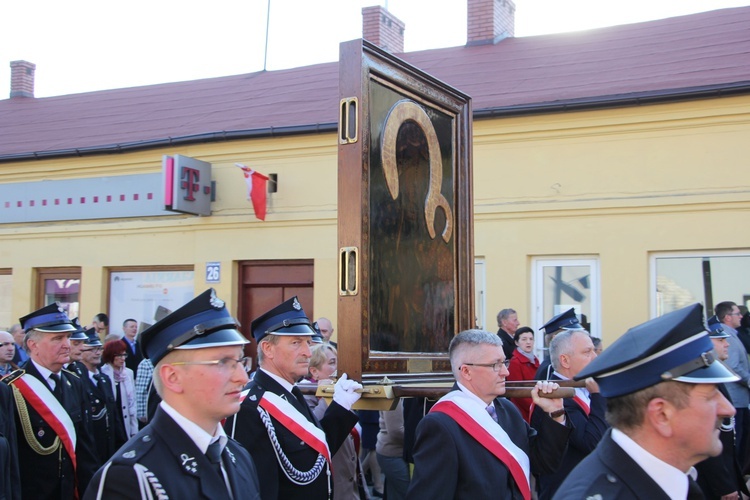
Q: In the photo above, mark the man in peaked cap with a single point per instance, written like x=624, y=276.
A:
x=291, y=448
x=660, y=380
x=77, y=339
x=721, y=476
x=55, y=447
x=564, y=321
x=106, y=421
x=183, y=452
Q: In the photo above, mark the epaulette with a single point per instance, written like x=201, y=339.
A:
x=133, y=450
x=71, y=372
x=13, y=376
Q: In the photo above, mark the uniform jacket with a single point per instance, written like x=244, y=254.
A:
x=521, y=368
x=587, y=432
x=719, y=476
x=609, y=473
x=249, y=430
x=509, y=345
x=102, y=410
x=127, y=397
x=10, y=486
x=175, y=467
x=449, y=463
x=51, y=476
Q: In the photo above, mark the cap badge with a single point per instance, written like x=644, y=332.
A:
x=296, y=305
x=215, y=301
x=59, y=307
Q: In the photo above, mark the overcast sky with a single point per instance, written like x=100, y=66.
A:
x=86, y=45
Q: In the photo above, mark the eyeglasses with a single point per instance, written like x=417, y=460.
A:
x=228, y=364
x=735, y=314
x=123, y=355
x=495, y=366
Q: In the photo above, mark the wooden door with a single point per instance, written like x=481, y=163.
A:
x=264, y=284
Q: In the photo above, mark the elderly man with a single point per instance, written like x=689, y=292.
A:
x=21, y=356
x=721, y=476
x=507, y=322
x=475, y=444
x=570, y=352
x=564, y=321
x=326, y=330
x=664, y=407
x=106, y=420
x=7, y=350
x=184, y=453
x=291, y=448
x=55, y=446
x=77, y=339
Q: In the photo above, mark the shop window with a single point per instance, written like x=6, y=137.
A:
x=147, y=294
x=682, y=279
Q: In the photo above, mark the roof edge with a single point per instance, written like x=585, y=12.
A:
x=590, y=103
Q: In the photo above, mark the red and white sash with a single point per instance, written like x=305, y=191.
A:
x=288, y=416
x=49, y=408
x=478, y=423
x=583, y=399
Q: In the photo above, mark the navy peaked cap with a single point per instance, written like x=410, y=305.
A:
x=563, y=321
x=202, y=322
x=674, y=346
x=288, y=318
x=49, y=319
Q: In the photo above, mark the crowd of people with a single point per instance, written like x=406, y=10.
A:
x=175, y=412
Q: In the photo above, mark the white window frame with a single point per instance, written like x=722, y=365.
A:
x=687, y=254
x=480, y=292
x=537, y=293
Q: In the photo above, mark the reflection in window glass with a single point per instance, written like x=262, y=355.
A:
x=65, y=291
x=565, y=287
x=681, y=281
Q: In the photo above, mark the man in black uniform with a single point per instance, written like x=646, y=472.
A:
x=103, y=409
x=562, y=322
x=664, y=407
x=55, y=444
x=10, y=486
x=183, y=452
x=291, y=449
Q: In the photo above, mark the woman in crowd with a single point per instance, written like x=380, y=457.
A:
x=123, y=387
x=390, y=453
x=348, y=481
x=523, y=366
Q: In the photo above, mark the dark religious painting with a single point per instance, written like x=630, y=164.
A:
x=405, y=221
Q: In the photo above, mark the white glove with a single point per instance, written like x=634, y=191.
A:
x=343, y=392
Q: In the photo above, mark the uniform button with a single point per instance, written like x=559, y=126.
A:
x=301, y=442
x=611, y=478
x=146, y=438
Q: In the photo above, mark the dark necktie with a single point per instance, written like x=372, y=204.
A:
x=57, y=391
x=301, y=399
x=213, y=453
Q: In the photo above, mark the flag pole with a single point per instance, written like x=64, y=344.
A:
x=268, y=22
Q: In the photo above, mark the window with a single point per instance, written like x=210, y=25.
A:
x=147, y=294
x=5, y=293
x=61, y=285
x=480, y=293
x=678, y=280
x=558, y=285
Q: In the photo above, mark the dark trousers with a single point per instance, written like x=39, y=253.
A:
x=742, y=435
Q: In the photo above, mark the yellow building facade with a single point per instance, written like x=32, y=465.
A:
x=606, y=192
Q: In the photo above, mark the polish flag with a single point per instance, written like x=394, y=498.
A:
x=256, y=189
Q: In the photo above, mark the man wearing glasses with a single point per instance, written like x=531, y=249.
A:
x=729, y=316
x=102, y=405
x=474, y=444
x=199, y=372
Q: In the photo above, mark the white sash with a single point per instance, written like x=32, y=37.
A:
x=295, y=422
x=56, y=410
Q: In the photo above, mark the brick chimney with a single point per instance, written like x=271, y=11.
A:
x=489, y=21
x=22, y=79
x=383, y=29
